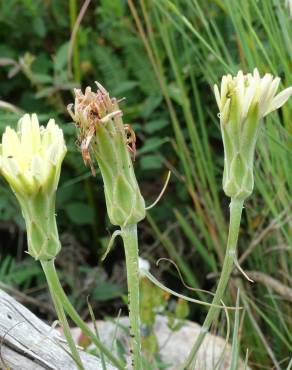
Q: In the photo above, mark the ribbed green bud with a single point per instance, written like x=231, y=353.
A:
x=42, y=234
x=239, y=147
x=30, y=160
x=243, y=101
x=103, y=134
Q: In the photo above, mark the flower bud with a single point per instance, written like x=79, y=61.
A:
x=30, y=161
x=243, y=101
x=103, y=134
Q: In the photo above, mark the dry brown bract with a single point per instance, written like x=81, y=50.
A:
x=131, y=139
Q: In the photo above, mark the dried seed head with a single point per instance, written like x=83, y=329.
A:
x=102, y=135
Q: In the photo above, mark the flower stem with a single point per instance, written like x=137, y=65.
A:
x=54, y=283
x=62, y=317
x=129, y=235
x=236, y=206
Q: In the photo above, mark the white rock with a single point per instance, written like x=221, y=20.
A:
x=175, y=345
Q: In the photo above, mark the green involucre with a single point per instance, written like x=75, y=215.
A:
x=125, y=204
x=39, y=215
x=239, y=140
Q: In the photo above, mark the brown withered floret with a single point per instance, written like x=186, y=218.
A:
x=131, y=140
x=90, y=110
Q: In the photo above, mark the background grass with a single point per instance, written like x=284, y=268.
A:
x=163, y=56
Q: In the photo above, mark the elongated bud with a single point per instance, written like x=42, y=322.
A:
x=103, y=134
x=30, y=161
x=243, y=101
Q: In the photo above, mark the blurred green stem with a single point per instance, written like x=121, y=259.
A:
x=91, y=201
x=56, y=288
x=236, y=206
x=73, y=17
x=129, y=235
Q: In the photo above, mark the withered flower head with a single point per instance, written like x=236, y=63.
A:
x=102, y=133
x=91, y=109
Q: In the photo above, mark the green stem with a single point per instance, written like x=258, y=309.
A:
x=62, y=317
x=55, y=284
x=236, y=206
x=129, y=235
x=73, y=17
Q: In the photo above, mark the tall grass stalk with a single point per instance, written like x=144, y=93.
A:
x=76, y=62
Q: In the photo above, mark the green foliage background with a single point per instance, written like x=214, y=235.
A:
x=163, y=56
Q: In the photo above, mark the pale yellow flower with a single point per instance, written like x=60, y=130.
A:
x=242, y=94
x=31, y=156
x=243, y=101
